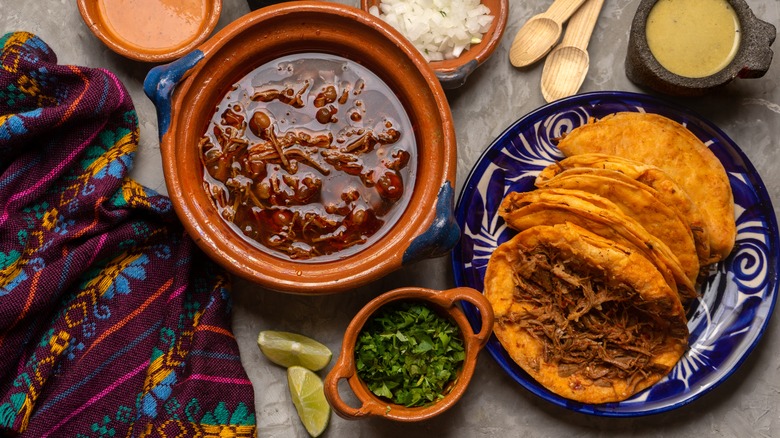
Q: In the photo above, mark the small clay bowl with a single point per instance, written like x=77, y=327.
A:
x=453, y=72
x=445, y=302
x=752, y=59
x=187, y=91
x=99, y=23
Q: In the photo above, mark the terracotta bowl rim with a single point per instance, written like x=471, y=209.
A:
x=96, y=25
x=376, y=260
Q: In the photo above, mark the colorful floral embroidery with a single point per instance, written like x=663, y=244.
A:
x=107, y=303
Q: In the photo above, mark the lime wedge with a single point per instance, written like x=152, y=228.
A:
x=290, y=349
x=309, y=399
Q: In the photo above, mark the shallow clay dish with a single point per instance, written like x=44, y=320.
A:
x=126, y=45
x=186, y=93
x=453, y=72
x=446, y=302
x=752, y=59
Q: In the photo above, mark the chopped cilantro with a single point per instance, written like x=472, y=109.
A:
x=409, y=354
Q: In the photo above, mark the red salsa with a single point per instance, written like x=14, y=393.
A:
x=308, y=156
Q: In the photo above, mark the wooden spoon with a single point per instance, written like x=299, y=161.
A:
x=566, y=66
x=540, y=33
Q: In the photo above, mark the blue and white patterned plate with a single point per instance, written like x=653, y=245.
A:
x=737, y=298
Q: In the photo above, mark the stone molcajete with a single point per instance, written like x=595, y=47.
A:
x=751, y=57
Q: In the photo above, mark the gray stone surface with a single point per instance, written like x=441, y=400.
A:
x=746, y=405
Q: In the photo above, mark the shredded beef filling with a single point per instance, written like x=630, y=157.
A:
x=599, y=330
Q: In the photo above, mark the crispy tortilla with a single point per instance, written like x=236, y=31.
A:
x=589, y=319
x=659, y=141
x=638, y=203
x=650, y=179
x=602, y=217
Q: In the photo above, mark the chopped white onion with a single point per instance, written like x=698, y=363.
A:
x=439, y=29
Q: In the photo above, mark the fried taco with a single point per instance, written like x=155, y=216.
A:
x=589, y=319
x=668, y=145
x=649, y=178
x=639, y=203
x=601, y=216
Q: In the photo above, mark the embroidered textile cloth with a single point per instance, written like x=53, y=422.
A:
x=112, y=323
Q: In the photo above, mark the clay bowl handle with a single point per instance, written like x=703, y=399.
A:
x=443, y=233
x=345, y=369
x=450, y=297
x=161, y=81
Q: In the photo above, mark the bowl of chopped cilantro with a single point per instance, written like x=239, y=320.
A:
x=409, y=354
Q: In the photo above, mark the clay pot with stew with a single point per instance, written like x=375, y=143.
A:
x=308, y=148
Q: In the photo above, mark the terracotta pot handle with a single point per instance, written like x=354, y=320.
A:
x=342, y=370
x=451, y=296
x=162, y=80
x=345, y=369
x=443, y=233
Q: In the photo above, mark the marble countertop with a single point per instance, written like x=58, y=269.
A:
x=496, y=95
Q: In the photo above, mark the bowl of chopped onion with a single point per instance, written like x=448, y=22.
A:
x=455, y=37
x=409, y=354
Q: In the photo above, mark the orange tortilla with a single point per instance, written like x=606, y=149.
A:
x=638, y=203
x=668, y=145
x=650, y=178
x=629, y=277
x=602, y=217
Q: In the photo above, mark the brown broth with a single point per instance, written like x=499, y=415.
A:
x=310, y=157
